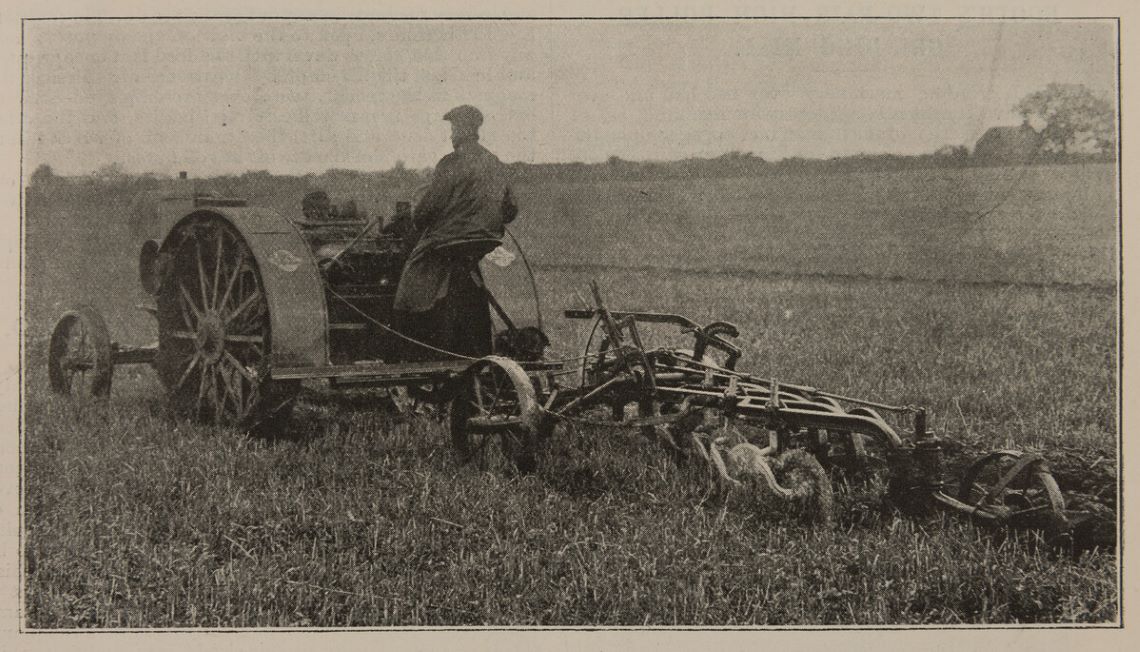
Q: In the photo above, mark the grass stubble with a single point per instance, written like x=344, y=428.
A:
x=360, y=517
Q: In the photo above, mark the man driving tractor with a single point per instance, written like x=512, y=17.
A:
x=441, y=299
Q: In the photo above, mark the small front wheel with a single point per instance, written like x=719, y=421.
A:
x=79, y=356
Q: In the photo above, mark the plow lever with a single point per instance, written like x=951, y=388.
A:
x=706, y=336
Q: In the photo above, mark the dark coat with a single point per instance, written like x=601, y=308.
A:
x=460, y=218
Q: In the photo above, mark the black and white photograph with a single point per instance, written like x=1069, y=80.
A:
x=532, y=322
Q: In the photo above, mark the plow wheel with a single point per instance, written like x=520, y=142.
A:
x=213, y=331
x=79, y=357
x=495, y=416
x=1017, y=489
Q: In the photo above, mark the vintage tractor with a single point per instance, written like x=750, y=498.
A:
x=250, y=304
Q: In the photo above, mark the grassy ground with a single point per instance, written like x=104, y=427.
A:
x=361, y=517
x=134, y=521
x=1049, y=224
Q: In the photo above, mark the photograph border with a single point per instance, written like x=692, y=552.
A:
x=1120, y=325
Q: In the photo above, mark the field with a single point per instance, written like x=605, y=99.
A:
x=887, y=286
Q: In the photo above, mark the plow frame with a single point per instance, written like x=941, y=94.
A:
x=676, y=391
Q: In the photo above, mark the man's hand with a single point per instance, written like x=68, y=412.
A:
x=509, y=207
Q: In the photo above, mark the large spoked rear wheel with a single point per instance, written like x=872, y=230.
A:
x=495, y=418
x=214, y=331
x=79, y=356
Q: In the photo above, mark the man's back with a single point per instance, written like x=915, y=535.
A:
x=469, y=200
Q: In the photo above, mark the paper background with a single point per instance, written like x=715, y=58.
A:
x=1058, y=637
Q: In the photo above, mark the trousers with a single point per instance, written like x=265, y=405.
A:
x=459, y=322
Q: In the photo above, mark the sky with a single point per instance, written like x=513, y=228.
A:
x=292, y=97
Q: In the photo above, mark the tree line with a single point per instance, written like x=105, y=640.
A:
x=1062, y=123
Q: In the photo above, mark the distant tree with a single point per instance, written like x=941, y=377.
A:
x=952, y=152
x=401, y=173
x=42, y=175
x=110, y=172
x=340, y=174
x=1071, y=119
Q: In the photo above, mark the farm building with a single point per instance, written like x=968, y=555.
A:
x=1007, y=144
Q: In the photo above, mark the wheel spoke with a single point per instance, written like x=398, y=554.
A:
x=220, y=233
x=255, y=348
x=499, y=386
x=190, y=367
x=219, y=401
x=227, y=376
x=201, y=392
x=492, y=396
x=76, y=362
x=201, y=275
x=77, y=341
x=183, y=335
x=83, y=356
x=478, y=386
x=230, y=285
x=190, y=303
x=239, y=367
x=243, y=408
x=241, y=284
x=187, y=321
x=248, y=325
x=242, y=307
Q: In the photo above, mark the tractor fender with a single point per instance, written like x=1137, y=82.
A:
x=293, y=283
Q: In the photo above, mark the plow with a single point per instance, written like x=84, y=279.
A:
x=784, y=440
x=249, y=305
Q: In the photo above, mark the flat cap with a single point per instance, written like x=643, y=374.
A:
x=464, y=114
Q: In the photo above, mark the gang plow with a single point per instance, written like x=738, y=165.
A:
x=783, y=440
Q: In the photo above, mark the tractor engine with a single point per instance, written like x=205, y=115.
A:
x=361, y=273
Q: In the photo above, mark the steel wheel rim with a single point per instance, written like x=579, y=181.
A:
x=213, y=325
x=73, y=356
x=1032, y=496
x=79, y=355
x=490, y=425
